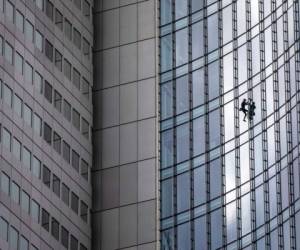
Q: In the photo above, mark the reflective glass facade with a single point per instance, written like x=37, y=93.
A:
x=226, y=183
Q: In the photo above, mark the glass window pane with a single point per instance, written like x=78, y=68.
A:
x=181, y=47
x=166, y=52
x=66, y=151
x=165, y=11
x=85, y=88
x=77, y=3
x=36, y=167
x=74, y=243
x=6, y=139
x=64, y=237
x=27, y=115
x=39, y=40
x=46, y=176
x=3, y=229
x=19, y=63
x=8, y=53
x=84, y=170
x=75, y=160
x=9, y=11
x=49, y=9
x=86, y=8
x=83, y=211
x=15, y=192
x=25, y=202
x=47, y=133
x=7, y=95
x=17, y=149
x=38, y=82
x=35, y=211
x=183, y=192
x=181, y=8
x=58, y=19
x=76, y=119
x=40, y=4
x=68, y=29
x=166, y=100
x=48, y=91
x=76, y=78
x=26, y=157
x=182, y=94
x=212, y=29
x=45, y=220
x=197, y=40
x=57, y=100
x=49, y=50
x=74, y=202
x=18, y=105
x=184, y=236
x=77, y=38
x=65, y=194
x=5, y=183
x=57, y=142
x=29, y=31
x=13, y=238
x=28, y=73
x=86, y=47
x=85, y=128
x=67, y=69
x=183, y=142
x=56, y=185
x=55, y=228
x=167, y=150
x=167, y=197
x=24, y=243
x=58, y=60
x=67, y=110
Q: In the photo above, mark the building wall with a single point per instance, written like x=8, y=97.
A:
x=125, y=125
x=46, y=118
x=225, y=182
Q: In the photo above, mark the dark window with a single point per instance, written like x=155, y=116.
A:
x=25, y=202
x=49, y=50
x=46, y=176
x=3, y=229
x=85, y=128
x=57, y=100
x=77, y=3
x=77, y=38
x=29, y=34
x=86, y=8
x=74, y=202
x=48, y=91
x=65, y=194
x=9, y=11
x=36, y=167
x=67, y=69
x=35, y=211
x=58, y=60
x=57, y=142
x=82, y=247
x=58, y=19
x=84, y=211
x=86, y=47
x=20, y=21
x=85, y=89
x=74, y=243
x=47, y=133
x=75, y=160
x=84, y=169
x=49, y=9
x=28, y=73
x=45, y=219
x=67, y=110
x=76, y=78
x=64, y=237
x=76, y=119
x=66, y=151
x=13, y=238
x=55, y=228
x=56, y=185
x=68, y=29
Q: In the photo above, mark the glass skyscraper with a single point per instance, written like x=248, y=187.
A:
x=226, y=183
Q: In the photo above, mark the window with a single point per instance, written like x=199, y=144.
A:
x=19, y=63
x=24, y=243
x=15, y=192
x=27, y=115
x=68, y=29
x=76, y=78
x=18, y=105
x=57, y=101
x=48, y=91
x=55, y=228
x=47, y=133
x=26, y=158
x=6, y=139
x=1, y=5
x=85, y=128
x=45, y=220
x=29, y=31
x=40, y=4
x=85, y=88
x=39, y=40
x=74, y=202
x=28, y=73
x=58, y=60
x=17, y=149
x=84, y=169
x=86, y=8
x=3, y=229
x=67, y=69
x=46, y=176
x=25, y=202
x=36, y=167
x=65, y=193
x=66, y=152
x=75, y=160
x=82, y=247
x=77, y=3
x=83, y=211
x=8, y=52
x=67, y=110
x=64, y=237
x=49, y=50
x=20, y=21
x=1, y=45
x=74, y=243
x=49, y=9
x=9, y=11
x=37, y=124
x=76, y=119
x=56, y=185
x=57, y=142
x=58, y=19
x=13, y=238
x=38, y=82
x=35, y=211
x=77, y=38
x=33, y=247
x=5, y=183
x=7, y=95
x=86, y=48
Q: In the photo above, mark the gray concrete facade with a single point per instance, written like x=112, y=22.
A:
x=46, y=116
x=125, y=176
